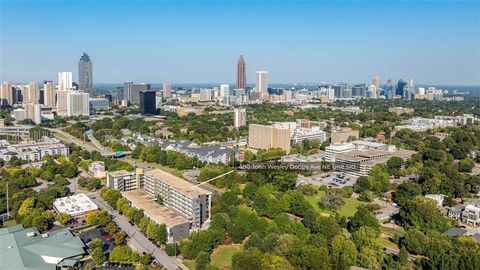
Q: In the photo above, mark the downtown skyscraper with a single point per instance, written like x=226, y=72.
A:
x=241, y=74
x=85, y=74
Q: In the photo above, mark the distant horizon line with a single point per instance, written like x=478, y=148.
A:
x=234, y=83
x=275, y=83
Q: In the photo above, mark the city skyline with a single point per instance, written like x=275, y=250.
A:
x=437, y=43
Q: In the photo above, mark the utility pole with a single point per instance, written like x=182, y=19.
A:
x=8, y=211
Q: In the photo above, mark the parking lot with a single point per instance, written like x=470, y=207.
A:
x=108, y=241
x=331, y=179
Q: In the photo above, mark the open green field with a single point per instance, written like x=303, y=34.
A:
x=190, y=264
x=348, y=210
x=221, y=256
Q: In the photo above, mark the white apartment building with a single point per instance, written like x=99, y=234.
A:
x=224, y=90
x=301, y=134
x=123, y=180
x=261, y=82
x=240, y=117
x=191, y=202
x=334, y=149
x=65, y=80
x=33, y=151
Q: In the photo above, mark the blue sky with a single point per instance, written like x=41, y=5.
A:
x=200, y=41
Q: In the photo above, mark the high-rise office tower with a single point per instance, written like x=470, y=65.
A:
x=241, y=74
x=49, y=94
x=6, y=94
x=239, y=118
x=85, y=74
x=167, y=90
x=400, y=87
x=389, y=90
x=64, y=81
x=148, y=102
x=261, y=82
x=135, y=93
x=33, y=94
x=127, y=90
x=338, y=90
x=78, y=103
x=376, y=81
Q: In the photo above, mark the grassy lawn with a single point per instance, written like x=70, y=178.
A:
x=222, y=255
x=348, y=210
x=350, y=207
x=385, y=241
x=190, y=264
x=391, y=231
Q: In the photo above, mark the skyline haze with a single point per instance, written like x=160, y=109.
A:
x=188, y=42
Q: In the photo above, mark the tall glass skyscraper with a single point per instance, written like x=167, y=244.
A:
x=85, y=74
x=400, y=87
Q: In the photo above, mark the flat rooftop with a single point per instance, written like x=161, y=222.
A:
x=120, y=173
x=341, y=146
x=177, y=183
x=74, y=205
x=374, y=157
x=161, y=214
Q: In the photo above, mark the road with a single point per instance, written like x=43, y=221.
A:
x=137, y=239
x=64, y=136
x=388, y=210
x=411, y=257
x=97, y=144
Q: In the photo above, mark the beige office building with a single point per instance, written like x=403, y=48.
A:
x=32, y=95
x=32, y=112
x=167, y=87
x=266, y=137
x=6, y=94
x=62, y=104
x=343, y=135
x=49, y=94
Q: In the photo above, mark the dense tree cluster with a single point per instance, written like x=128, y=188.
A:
x=207, y=127
x=155, y=154
x=27, y=206
x=260, y=216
